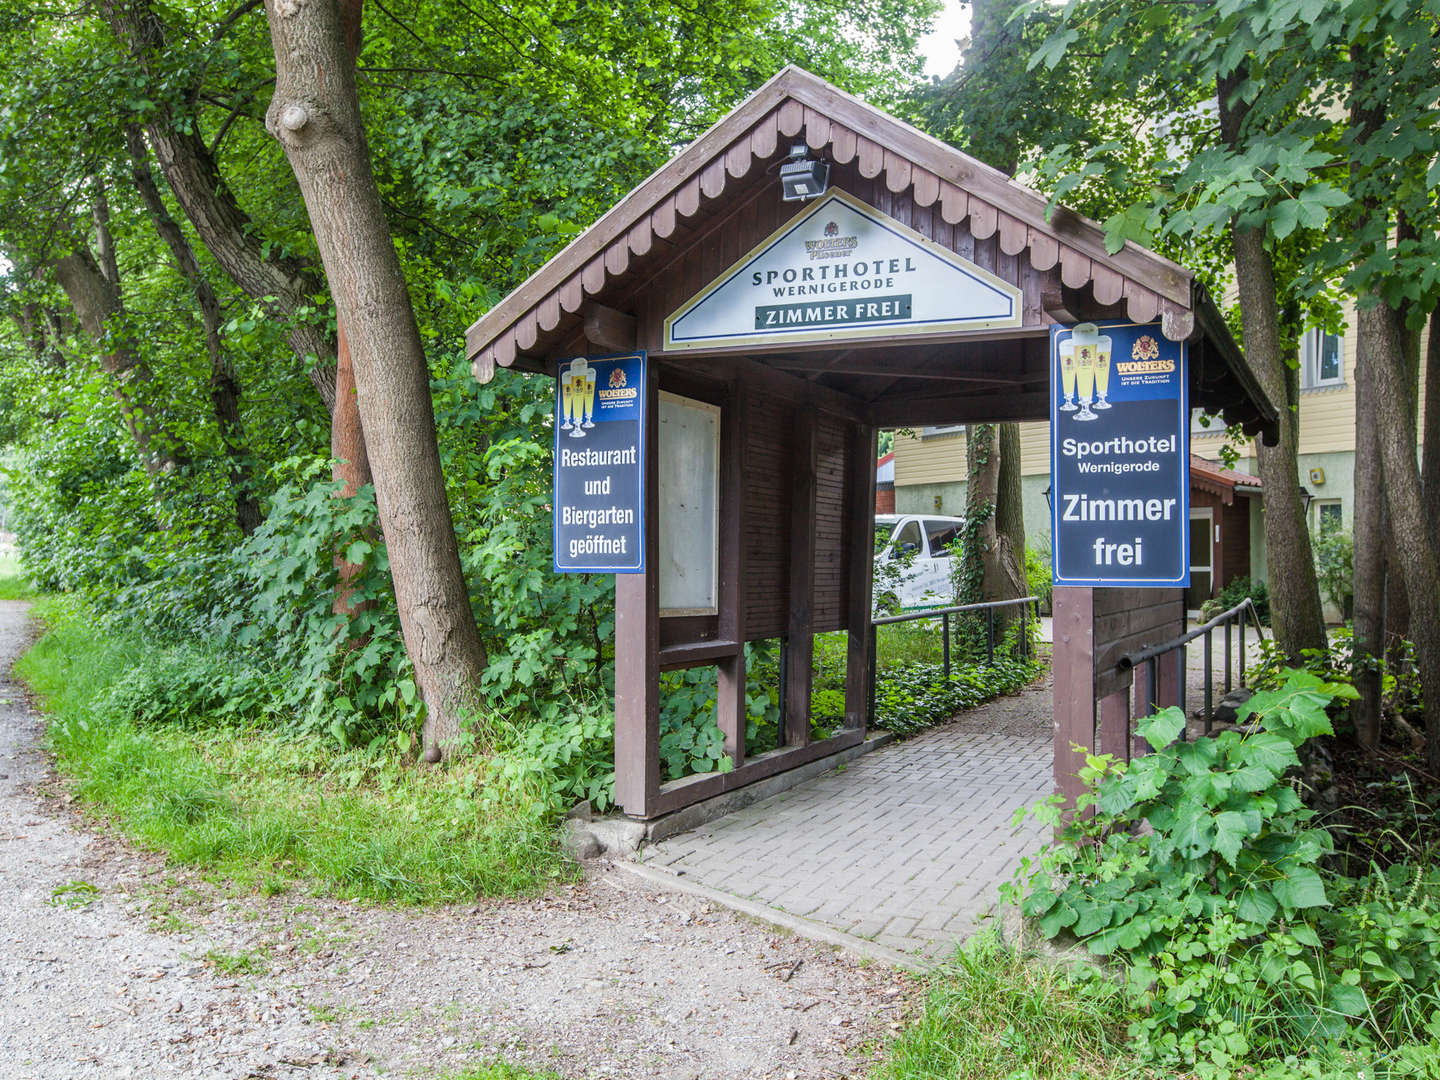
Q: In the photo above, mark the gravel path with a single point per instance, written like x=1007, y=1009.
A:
x=113, y=965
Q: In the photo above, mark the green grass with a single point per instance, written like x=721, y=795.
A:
x=15, y=583
x=992, y=1014
x=499, y=1070
x=269, y=812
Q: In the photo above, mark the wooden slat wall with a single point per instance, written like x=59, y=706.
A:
x=1131, y=619
x=768, y=463
x=766, y=588
x=832, y=438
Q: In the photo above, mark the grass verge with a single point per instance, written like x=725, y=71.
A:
x=992, y=1014
x=15, y=583
x=270, y=812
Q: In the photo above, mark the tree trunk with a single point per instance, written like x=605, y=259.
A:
x=224, y=389
x=96, y=299
x=1431, y=430
x=352, y=464
x=1419, y=556
x=1369, y=540
x=287, y=286
x=989, y=567
x=1296, y=615
x=316, y=116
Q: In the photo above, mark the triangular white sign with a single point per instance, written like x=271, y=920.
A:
x=837, y=272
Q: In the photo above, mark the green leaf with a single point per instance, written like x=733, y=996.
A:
x=1301, y=888
x=1257, y=905
x=1163, y=728
x=1347, y=1000
x=1271, y=752
x=1231, y=831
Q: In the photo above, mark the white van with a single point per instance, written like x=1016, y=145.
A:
x=922, y=540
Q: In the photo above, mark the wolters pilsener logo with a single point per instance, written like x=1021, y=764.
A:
x=834, y=246
x=618, y=392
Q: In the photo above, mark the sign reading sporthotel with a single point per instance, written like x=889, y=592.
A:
x=842, y=270
x=1119, y=456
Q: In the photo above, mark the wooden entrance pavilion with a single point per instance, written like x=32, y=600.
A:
x=798, y=421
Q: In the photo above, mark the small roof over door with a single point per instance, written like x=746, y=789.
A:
x=654, y=270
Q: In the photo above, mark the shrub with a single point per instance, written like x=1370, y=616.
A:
x=1335, y=568
x=1039, y=578
x=1238, y=589
x=1200, y=872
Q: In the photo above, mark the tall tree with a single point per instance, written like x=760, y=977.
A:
x=315, y=114
x=993, y=557
x=224, y=389
x=92, y=282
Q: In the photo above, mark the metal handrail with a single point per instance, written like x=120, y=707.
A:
x=943, y=614
x=1147, y=656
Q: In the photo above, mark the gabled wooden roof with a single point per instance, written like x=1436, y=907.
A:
x=643, y=232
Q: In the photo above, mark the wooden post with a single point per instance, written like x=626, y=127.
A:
x=730, y=704
x=1139, y=746
x=1172, y=668
x=1074, y=636
x=800, y=643
x=860, y=549
x=637, y=644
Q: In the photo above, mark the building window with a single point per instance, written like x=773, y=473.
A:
x=941, y=429
x=1329, y=517
x=1322, y=360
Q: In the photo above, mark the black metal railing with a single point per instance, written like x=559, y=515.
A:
x=1236, y=617
x=944, y=615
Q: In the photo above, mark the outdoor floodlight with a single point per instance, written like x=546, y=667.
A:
x=801, y=178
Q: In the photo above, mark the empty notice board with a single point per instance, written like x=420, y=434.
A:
x=689, y=479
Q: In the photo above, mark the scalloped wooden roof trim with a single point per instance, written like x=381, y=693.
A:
x=795, y=101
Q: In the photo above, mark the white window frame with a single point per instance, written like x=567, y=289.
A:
x=941, y=429
x=1311, y=350
x=1318, y=506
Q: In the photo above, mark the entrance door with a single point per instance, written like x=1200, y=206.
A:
x=1202, y=557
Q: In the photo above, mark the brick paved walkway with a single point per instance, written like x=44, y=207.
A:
x=905, y=848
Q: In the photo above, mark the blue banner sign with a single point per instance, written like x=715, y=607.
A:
x=600, y=465
x=1119, y=456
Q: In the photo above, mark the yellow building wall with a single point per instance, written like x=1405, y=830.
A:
x=940, y=459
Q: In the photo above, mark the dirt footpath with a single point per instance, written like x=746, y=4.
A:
x=112, y=965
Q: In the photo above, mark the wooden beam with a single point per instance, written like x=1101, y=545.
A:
x=960, y=409
x=1053, y=303
x=859, y=550
x=731, y=704
x=608, y=328
x=910, y=368
x=678, y=794
x=800, y=640
x=637, y=645
x=780, y=384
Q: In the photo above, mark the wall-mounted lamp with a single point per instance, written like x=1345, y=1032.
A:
x=802, y=178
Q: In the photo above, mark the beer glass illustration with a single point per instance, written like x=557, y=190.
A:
x=1067, y=375
x=1087, y=348
x=590, y=397
x=567, y=398
x=577, y=395
x=1102, y=372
